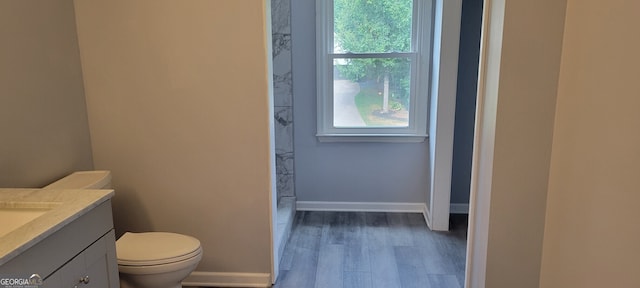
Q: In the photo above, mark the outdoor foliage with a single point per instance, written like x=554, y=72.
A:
x=375, y=26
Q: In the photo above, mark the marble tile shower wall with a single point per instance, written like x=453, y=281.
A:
x=283, y=98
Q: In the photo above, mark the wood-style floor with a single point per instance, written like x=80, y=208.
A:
x=371, y=250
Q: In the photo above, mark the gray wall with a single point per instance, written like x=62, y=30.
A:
x=43, y=117
x=339, y=174
x=466, y=100
x=354, y=172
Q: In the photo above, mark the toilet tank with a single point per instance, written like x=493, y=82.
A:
x=83, y=180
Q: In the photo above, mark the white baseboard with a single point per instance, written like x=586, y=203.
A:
x=220, y=279
x=427, y=215
x=459, y=208
x=360, y=206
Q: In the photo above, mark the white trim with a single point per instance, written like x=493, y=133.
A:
x=459, y=208
x=226, y=279
x=273, y=197
x=484, y=143
x=361, y=206
x=380, y=138
x=446, y=37
x=427, y=215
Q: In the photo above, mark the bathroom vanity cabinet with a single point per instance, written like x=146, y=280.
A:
x=80, y=254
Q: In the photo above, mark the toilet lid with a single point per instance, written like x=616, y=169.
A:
x=154, y=248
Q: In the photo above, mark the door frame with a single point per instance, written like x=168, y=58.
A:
x=493, y=16
x=446, y=43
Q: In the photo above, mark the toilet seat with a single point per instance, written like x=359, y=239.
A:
x=155, y=248
x=173, y=267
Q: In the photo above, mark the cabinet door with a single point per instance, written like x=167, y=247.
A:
x=94, y=267
x=101, y=268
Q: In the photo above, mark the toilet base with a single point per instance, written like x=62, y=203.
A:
x=163, y=280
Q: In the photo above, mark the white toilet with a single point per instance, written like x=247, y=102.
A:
x=149, y=259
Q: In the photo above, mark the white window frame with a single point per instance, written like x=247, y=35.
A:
x=420, y=79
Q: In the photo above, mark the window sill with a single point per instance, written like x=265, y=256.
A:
x=380, y=138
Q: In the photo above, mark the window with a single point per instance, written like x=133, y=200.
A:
x=373, y=69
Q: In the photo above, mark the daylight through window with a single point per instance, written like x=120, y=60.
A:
x=373, y=60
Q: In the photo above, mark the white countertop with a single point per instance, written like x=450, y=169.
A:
x=70, y=204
